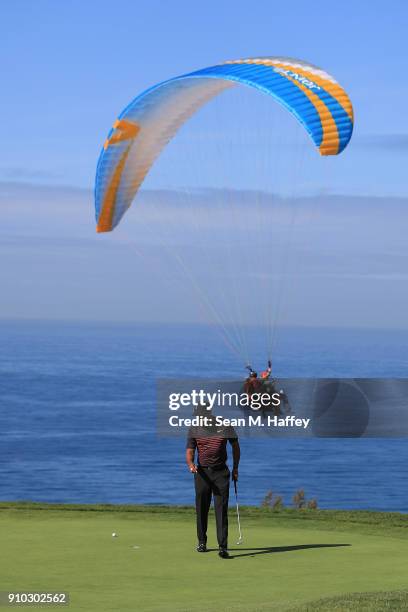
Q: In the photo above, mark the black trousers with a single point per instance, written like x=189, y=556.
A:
x=210, y=482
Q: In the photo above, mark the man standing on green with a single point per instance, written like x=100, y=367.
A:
x=212, y=476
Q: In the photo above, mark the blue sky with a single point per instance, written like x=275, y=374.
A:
x=69, y=68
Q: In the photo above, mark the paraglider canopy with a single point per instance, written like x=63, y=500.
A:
x=145, y=126
x=227, y=233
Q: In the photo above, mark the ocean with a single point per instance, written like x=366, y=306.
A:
x=78, y=414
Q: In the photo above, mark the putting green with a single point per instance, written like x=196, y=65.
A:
x=287, y=559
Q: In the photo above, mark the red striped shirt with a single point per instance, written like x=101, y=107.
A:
x=212, y=450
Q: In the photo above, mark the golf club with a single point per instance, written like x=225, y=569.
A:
x=239, y=522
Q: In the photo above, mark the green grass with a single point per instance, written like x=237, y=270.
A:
x=361, y=602
x=290, y=560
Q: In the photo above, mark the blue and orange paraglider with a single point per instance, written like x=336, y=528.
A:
x=249, y=292
x=149, y=122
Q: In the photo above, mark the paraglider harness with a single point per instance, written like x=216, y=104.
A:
x=265, y=384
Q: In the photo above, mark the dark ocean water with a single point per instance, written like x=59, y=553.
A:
x=77, y=416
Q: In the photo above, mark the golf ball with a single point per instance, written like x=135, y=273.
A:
x=114, y=535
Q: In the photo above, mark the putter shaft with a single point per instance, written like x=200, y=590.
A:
x=239, y=521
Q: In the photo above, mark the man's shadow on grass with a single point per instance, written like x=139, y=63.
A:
x=266, y=550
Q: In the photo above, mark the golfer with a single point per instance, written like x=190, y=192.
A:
x=212, y=476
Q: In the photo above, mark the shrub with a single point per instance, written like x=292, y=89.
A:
x=278, y=503
x=299, y=499
x=270, y=501
x=267, y=500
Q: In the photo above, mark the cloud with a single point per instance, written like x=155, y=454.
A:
x=389, y=142
x=344, y=250
x=64, y=214
x=16, y=173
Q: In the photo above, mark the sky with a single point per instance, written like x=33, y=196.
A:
x=68, y=69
